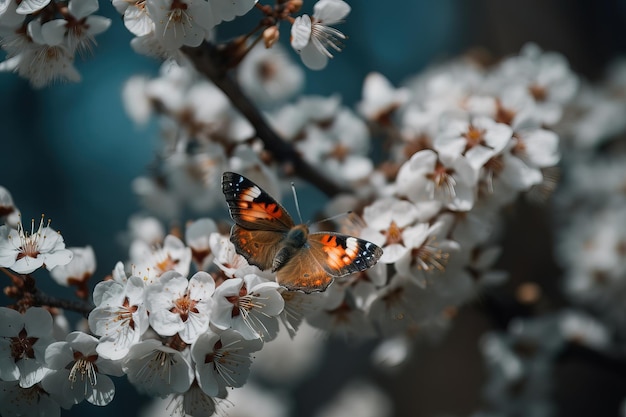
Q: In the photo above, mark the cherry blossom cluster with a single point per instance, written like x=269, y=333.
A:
x=426, y=169
x=459, y=143
x=592, y=237
x=162, y=27
x=42, y=37
x=172, y=335
x=520, y=361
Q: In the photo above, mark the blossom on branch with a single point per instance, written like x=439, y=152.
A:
x=78, y=372
x=23, y=342
x=313, y=37
x=24, y=252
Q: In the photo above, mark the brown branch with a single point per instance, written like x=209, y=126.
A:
x=25, y=291
x=214, y=64
x=42, y=299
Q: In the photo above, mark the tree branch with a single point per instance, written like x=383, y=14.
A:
x=213, y=63
x=25, y=291
x=42, y=299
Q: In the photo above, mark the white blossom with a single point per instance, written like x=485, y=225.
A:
x=156, y=369
x=23, y=342
x=222, y=360
x=78, y=372
x=181, y=22
x=250, y=305
x=25, y=252
x=313, y=37
x=120, y=316
x=180, y=306
x=78, y=270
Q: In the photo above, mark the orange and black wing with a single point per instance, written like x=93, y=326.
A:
x=341, y=255
x=259, y=247
x=326, y=256
x=251, y=207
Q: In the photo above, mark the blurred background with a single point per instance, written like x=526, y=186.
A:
x=71, y=152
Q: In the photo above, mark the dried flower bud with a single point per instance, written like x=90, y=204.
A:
x=270, y=36
x=294, y=6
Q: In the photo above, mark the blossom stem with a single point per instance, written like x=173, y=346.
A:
x=28, y=295
x=79, y=306
x=210, y=61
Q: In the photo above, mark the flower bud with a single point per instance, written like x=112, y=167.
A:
x=270, y=36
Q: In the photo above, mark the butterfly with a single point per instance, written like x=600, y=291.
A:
x=266, y=235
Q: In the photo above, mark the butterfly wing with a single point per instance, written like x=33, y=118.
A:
x=259, y=247
x=326, y=256
x=251, y=207
x=303, y=272
x=341, y=255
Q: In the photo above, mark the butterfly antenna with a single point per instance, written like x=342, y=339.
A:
x=336, y=216
x=295, y=198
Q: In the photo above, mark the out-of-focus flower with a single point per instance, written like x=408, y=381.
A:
x=150, y=263
x=78, y=271
x=269, y=76
x=358, y=398
x=380, y=98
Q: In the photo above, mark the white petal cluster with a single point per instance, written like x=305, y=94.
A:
x=162, y=27
x=462, y=147
x=43, y=51
x=24, y=252
x=328, y=135
x=189, y=338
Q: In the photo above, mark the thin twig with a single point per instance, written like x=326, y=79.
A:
x=25, y=291
x=79, y=306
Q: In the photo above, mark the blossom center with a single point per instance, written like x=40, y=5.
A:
x=125, y=314
x=504, y=115
x=166, y=264
x=474, y=137
x=340, y=153
x=341, y=313
x=178, y=13
x=22, y=346
x=393, y=234
x=183, y=306
x=85, y=367
x=429, y=256
x=267, y=70
x=538, y=92
x=520, y=148
x=442, y=178
x=236, y=300
x=495, y=165
x=30, y=242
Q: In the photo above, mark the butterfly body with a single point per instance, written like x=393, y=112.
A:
x=295, y=240
x=266, y=235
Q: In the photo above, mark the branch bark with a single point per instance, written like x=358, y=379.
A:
x=213, y=63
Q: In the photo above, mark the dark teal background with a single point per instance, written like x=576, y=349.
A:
x=70, y=151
